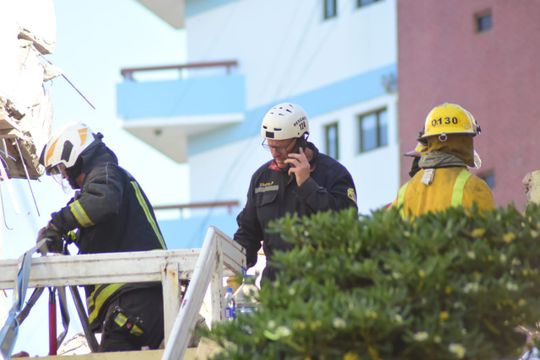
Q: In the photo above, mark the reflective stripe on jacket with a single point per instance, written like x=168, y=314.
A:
x=452, y=186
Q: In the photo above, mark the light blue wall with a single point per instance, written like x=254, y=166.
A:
x=326, y=99
x=203, y=96
x=189, y=233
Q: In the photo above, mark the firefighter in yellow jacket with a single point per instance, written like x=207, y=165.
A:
x=444, y=180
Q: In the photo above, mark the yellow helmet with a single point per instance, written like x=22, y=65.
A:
x=447, y=119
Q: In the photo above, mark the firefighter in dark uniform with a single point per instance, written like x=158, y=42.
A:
x=110, y=213
x=298, y=180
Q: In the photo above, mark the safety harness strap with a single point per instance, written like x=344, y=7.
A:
x=459, y=186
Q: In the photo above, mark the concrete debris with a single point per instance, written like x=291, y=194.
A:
x=531, y=182
x=27, y=32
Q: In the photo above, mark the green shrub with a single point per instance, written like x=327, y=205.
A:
x=446, y=286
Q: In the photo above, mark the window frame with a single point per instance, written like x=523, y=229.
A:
x=333, y=125
x=327, y=15
x=379, y=141
x=481, y=27
x=360, y=4
x=489, y=177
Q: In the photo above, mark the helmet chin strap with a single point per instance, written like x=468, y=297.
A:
x=73, y=183
x=73, y=173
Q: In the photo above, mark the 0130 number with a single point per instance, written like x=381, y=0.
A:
x=444, y=121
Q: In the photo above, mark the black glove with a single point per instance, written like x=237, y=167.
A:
x=55, y=243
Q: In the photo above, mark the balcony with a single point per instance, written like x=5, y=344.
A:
x=165, y=112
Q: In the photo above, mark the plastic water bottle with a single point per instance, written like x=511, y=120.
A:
x=229, y=304
x=245, y=297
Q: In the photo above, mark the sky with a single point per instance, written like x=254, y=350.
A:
x=95, y=39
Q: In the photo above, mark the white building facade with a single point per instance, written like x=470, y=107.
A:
x=337, y=59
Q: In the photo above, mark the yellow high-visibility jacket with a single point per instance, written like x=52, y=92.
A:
x=451, y=186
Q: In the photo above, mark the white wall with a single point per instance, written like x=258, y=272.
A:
x=224, y=173
x=285, y=48
x=376, y=172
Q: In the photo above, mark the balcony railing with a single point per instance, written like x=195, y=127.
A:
x=229, y=204
x=127, y=73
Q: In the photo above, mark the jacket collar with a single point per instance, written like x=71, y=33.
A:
x=312, y=154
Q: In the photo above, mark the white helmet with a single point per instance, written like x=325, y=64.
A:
x=63, y=149
x=285, y=121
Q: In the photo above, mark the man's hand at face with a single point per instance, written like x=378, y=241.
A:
x=299, y=166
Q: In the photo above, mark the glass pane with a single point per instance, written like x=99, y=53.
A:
x=332, y=141
x=368, y=124
x=330, y=9
x=361, y=3
x=489, y=178
x=383, y=128
x=483, y=22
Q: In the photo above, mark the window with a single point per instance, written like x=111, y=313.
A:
x=330, y=9
x=489, y=178
x=331, y=137
x=360, y=3
x=373, y=130
x=483, y=21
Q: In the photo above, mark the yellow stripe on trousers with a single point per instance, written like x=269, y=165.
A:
x=98, y=297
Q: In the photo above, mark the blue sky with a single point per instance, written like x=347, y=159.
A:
x=95, y=39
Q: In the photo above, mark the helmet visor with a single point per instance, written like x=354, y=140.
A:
x=58, y=172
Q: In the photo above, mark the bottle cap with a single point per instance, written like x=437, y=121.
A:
x=232, y=283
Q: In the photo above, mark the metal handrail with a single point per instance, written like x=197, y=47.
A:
x=219, y=256
x=229, y=204
x=217, y=252
x=127, y=73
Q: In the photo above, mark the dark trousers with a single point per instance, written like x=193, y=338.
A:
x=134, y=320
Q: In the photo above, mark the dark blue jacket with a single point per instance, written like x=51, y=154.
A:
x=272, y=194
x=112, y=214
